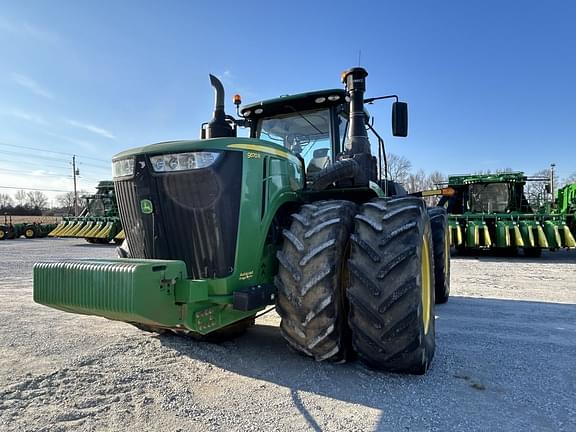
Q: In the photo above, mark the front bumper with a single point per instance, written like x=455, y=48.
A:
x=152, y=292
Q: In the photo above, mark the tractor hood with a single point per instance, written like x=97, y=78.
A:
x=180, y=200
x=222, y=144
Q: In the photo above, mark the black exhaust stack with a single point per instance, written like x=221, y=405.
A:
x=357, y=142
x=218, y=127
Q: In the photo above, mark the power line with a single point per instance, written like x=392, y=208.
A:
x=62, y=176
x=98, y=176
x=28, y=155
x=34, y=189
x=36, y=174
x=81, y=177
x=34, y=148
x=96, y=159
x=63, y=164
x=95, y=166
x=50, y=151
x=44, y=165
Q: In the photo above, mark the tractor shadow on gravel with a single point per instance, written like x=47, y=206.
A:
x=488, y=353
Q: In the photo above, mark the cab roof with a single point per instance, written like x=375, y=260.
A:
x=291, y=103
x=512, y=177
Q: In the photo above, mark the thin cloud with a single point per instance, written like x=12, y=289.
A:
x=94, y=129
x=90, y=147
x=24, y=29
x=24, y=115
x=226, y=76
x=31, y=85
x=229, y=80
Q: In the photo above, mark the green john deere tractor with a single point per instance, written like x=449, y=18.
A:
x=29, y=230
x=491, y=212
x=9, y=230
x=294, y=216
x=99, y=222
x=38, y=230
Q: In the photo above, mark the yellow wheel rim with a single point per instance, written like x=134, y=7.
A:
x=426, y=285
x=2, y=234
x=29, y=233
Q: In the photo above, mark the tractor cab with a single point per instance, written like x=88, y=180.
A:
x=310, y=125
x=103, y=202
x=327, y=130
x=488, y=194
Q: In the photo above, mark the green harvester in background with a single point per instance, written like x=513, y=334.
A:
x=298, y=215
x=99, y=222
x=566, y=205
x=491, y=212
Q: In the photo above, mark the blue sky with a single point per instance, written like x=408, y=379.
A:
x=490, y=84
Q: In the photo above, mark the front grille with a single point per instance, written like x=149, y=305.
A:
x=195, y=217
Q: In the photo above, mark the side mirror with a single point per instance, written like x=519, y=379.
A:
x=400, y=119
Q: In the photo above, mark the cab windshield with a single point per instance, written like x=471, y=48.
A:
x=489, y=198
x=305, y=133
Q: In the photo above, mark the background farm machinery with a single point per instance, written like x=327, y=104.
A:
x=9, y=230
x=99, y=222
x=492, y=212
x=566, y=204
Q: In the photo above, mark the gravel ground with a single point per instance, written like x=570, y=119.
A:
x=506, y=344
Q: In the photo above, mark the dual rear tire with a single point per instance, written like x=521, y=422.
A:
x=441, y=245
x=360, y=280
x=392, y=286
x=311, y=280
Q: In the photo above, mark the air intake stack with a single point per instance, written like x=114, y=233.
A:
x=357, y=142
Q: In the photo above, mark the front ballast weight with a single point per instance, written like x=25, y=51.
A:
x=154, y=294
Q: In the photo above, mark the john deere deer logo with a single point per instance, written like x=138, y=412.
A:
x=146, y=206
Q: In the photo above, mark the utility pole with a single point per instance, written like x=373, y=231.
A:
x=74, y=174
x=552, y=166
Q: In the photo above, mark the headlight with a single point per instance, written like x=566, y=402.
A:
x=123, y=168
x=183, y=161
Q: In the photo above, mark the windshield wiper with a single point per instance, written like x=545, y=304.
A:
x=307, y=121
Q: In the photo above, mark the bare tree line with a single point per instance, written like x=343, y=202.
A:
x=538, y=193
x=400, y=171
x=25, y=201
